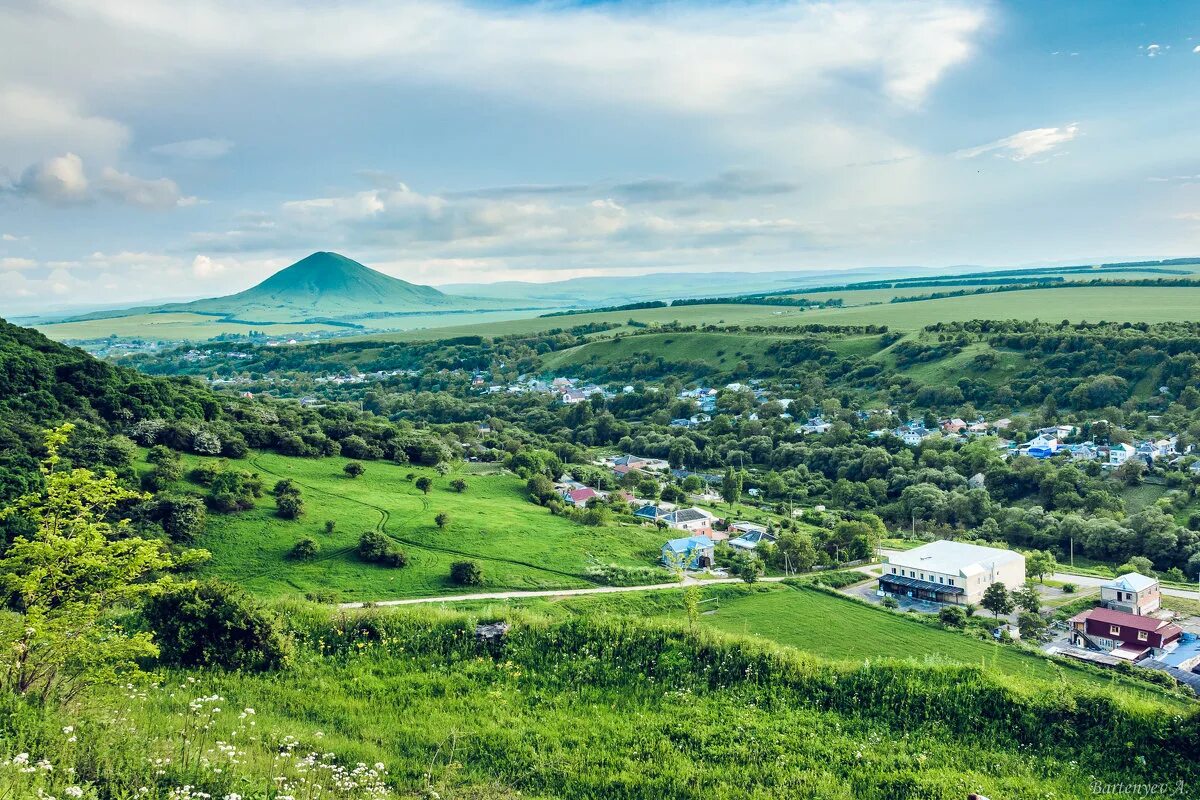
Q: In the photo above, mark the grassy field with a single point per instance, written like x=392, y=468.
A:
x=1077, y=304
x=519, y=545
x=199, y=327
x=180, y=325
x=600, y=708
x=836, y=628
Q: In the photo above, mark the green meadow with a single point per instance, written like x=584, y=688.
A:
x=1076, y=304
x=518, y=544
x=836, y=628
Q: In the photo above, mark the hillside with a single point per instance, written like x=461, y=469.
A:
x=603, y=707
x=323, y=291
x=325, y=284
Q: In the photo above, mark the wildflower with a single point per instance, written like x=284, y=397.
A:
x=74, y=791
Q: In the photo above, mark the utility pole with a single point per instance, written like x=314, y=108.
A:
x=1072, y=552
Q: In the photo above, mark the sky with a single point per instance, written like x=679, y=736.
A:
x=156, y=150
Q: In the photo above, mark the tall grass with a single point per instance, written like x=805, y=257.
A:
x=587, y=707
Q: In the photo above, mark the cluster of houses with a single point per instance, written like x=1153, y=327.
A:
x=1050, y=443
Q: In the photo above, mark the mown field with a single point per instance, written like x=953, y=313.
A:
x=836, y=628
x=519, y=545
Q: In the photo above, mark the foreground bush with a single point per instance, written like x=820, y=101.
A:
x=213, y=624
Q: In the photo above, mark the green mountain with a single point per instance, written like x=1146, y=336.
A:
x=325, y=285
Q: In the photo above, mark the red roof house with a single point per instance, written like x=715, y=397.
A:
x=580, y=497
x=1122, y=634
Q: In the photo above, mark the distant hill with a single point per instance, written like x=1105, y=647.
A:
x=325, y=285
x=320, y=287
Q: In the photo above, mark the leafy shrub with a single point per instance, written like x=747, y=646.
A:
x=466, y=573
x=618, y=575
x=890, y=602
x=377, y=548
x=305, y=549
x=354, y=469
x=442, y=519
x=214, y=624
x=458, y=485
x=1069, y=588
x=952, y=616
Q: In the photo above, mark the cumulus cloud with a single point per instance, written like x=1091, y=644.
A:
x=56, y=181
x=194, y=149
x=685, y=57
x=204, y=267
x=17, y=263
x=155, y=194
x=63, y=181
x=1025, y=144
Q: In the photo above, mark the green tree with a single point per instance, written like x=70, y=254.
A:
x=731, y=486
x=459, y=485
x=354, y=469
x=997, y=600
x=442, y=519
x=377, y=548
x=1040, y=563
x=1027, y=598
x=1030, y=624
x=68, y=576
x=424, y=483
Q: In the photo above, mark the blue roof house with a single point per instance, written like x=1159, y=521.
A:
x=695, y=552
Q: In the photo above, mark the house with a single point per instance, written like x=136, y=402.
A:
x=951, y=572
x=580, y=497
x=700, y=419
x=815, y=425
x=1118, y=454
x=1044, y=445
x=751, y=540
x=747, y=527
x=955, y=425
x=692, y=552
x=573, y=396
x=1131, y=593
x=650, y=513
x=682, y=423
x=696, y=520
x=1195, y=468
x=1123, y=635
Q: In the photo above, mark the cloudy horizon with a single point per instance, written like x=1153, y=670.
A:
x=189, y=152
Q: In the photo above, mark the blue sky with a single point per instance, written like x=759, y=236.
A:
x=153, y=150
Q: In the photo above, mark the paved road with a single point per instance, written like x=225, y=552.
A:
x=654, y=587
x=1090, y=580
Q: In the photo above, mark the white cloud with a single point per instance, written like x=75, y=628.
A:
x=56, y=181
x=194, y=149
x=38, y=124
x=1025, y=144
x=8, y=237
x=155, y=194
x=1196, y=49
x=17, y=263
x=204, y=267
x=694, y=57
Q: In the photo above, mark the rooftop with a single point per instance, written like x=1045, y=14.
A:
x=1131, y=582
x=1110, y=616
x=954, y=557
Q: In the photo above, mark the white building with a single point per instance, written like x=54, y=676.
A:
x=951, y=572
x=1132, y=593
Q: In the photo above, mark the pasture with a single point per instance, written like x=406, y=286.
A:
x=518, y=544
x=1075, y=303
